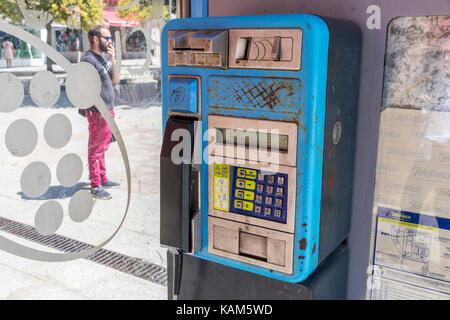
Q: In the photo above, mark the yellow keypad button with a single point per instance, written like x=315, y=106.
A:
x=241, y=173
x=248, y=206
x=244, y=194
x=246, y=173
x=250, y=174
x=244, y=205
x=246, y=184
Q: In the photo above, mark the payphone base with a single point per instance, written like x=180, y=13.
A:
x=206, y=280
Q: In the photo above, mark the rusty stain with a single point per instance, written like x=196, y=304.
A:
x=304, y=225
x=297, y=122
x=263, y=95
x=302, y=244
x=330, y=181
x=314, y=248
x=332, y=152
x=301, y=257
x=302, y=127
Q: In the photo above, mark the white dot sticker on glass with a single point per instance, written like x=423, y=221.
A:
x=35, y=179
x=57, y=131
x=83, y=85
x=49, y=218
x=69, y=169
x=12, y=92
x=45, y=89
x=80, y=206
x=21, y=138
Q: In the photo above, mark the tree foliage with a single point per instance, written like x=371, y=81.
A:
x=144, y=10
x=90, y=11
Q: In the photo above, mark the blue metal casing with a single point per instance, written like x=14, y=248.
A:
x=311, y=98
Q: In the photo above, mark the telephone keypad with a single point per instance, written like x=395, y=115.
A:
x=262, y=195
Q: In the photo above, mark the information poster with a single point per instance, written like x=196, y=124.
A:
x=410, y=239
x=411, y=252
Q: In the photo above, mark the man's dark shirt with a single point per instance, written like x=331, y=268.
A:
x=104, y=69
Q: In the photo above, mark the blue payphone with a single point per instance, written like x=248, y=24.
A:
x=269, y=103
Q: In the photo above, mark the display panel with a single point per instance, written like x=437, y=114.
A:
x=253, y=139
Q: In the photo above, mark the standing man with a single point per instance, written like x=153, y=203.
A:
x=99, y=131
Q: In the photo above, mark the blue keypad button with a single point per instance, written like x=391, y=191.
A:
x=279, y=202
x=280, y=191
x=277, y=213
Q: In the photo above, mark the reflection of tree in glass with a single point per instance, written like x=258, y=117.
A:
x=52, y=11
x=146, y=10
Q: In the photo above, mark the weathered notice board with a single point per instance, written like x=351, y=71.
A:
x=410, y=241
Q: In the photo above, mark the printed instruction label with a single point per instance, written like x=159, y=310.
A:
x=221, y=187
x=416, y=250
x=412, y=205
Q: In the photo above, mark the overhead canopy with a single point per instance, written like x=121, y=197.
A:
x=112, y=18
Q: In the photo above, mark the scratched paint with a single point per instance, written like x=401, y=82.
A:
x=245, y=93
x=416, y=73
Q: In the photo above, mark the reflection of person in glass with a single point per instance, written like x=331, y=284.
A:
x=99, y=131
x=8, y=51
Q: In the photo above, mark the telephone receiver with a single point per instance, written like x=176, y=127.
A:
x=179, y=197
x=35, y=19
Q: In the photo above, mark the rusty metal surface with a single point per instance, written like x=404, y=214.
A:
x=417, y=68
x=245, y=93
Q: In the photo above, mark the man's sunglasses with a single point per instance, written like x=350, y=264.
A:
x=106, y=38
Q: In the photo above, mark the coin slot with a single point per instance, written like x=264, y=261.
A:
x=253, y=245
x=242, y=47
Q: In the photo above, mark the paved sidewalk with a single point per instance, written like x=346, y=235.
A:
x=139, y=236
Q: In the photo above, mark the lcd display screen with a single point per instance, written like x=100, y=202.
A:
x=252, y=139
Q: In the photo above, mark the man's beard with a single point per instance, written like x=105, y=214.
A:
x=103, y=47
